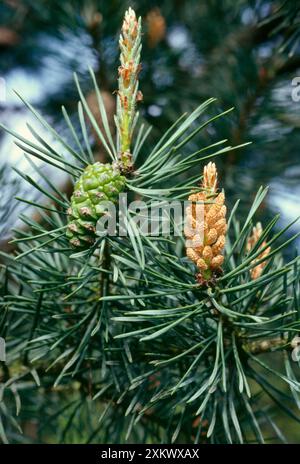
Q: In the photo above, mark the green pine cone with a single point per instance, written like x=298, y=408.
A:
x=98, y=183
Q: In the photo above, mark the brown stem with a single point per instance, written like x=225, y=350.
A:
x=266, y=346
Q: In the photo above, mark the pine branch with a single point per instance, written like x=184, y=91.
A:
x=159, y=331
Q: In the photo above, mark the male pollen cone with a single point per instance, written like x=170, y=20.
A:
x=206, y=226
x=256, y=271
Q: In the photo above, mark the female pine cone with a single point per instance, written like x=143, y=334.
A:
x=206, y=226
x=98, y=184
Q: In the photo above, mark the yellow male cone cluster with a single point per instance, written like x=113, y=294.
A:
x=256, y=271
x=206, y=226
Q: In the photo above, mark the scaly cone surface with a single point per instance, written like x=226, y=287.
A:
x=99, y=183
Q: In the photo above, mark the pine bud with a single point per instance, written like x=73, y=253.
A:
x=156, y=27
x=128, y=93
x=256, y=271
x=206, y=253
x=210, y=177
